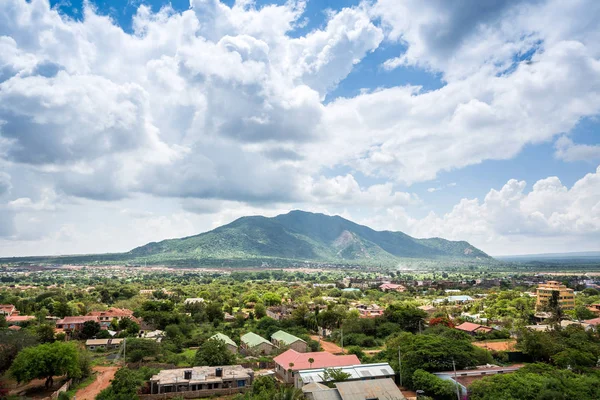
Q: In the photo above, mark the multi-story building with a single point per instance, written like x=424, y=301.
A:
x=566, y=297
x=106, y=317
x=224, y=380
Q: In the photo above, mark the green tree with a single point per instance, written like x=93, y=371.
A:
x=271, y=299
x=44, y=333
x=12, y=343
x=126, y=384
x=332, y=375
x=260, y=310
x=46, y=361
x=137, y=349
x=89, y=330
x=433, y=386
x=214, y=352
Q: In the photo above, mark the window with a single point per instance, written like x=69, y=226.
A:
x=241, y=383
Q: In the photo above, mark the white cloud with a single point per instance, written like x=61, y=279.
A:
x=219, y=110
x=568, y=151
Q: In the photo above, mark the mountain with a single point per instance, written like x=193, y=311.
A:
x=303, y=236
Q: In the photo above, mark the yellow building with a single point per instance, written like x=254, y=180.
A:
x=566, y=298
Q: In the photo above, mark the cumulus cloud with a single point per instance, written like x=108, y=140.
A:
x=221, y=109
x=568, y=151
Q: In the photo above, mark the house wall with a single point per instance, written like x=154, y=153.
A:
x=299, y=346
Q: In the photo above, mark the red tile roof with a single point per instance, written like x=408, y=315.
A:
x=594, y=321
x=7, y=308
x=322, y=359
x=112, y=312
x=76, y=320
x=19, y=318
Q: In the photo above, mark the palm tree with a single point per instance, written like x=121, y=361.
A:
x=311, y=361
x=289, y=393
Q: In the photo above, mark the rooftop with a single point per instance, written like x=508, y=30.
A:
x=201, y=375
x=285, y=337
x=251, y=339
x=365, y=371
x=371, y=389
x=224, y=338
x=321, y=359
x=102, y=342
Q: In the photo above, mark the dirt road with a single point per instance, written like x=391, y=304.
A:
x=328, y=346
x=103, y=378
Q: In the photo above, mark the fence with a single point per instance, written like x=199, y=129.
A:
x=63, y=388
x=194, y=394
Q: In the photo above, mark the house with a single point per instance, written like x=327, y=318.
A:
x=75, y=323
x=595, y=322
x=278, y=312
x=7, y=309
x=231, y=345
x=105, y=344
x=354, y=390
x=253, y=344
x=105, y=318
x=284, y=339
x=473, y=329
x=288, y=363
x=455, y=300
x=156, y=335
x=356, y=372
x=371, y=311
x=566, y=296
x=210, y=380
x=193, y=300
x=19, y=319
x=595, y=308
x=464, y=378
x=391, y=287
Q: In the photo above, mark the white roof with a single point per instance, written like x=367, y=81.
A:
x=356, y=372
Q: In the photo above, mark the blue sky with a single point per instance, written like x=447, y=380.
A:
x=465, y=120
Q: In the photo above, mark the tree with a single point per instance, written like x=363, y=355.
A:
x=126, y=384
x=214, y=312
x=271, y=299
x=3, y=323
x=12, y=343
x=409, y=317
x=582, y=313
x=433, y=386
x=90, y=329
x=137, y=349
x=311, y=361
x=260, y=310
x=332, y=375
x=214, y=352
x=44, y=333
x=46, y=361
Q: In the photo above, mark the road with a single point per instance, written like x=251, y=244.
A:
x=328, y=346
x=103, y=378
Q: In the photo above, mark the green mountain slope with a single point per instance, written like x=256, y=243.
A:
x=307, y=236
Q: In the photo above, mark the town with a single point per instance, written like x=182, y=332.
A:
x=117, y=332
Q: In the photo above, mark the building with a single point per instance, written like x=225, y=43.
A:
x=284, y=339
x=428, y=308
x=357, y=373
x=212, y=380
x=193, y=300
x=595, y=308
x=75, y=323
x=105, y=344
x=253, y=344
x=19, y=319
x=464, y=378
x=157, y=335
x=566, y=297
x=391, y=287
x=105, y=318
x=288, y=363
x=595, y=322
x=7, y=309
x=384, y=389
x=463, y=299
x=231, y=345
x=473, y=329
x=370, y=311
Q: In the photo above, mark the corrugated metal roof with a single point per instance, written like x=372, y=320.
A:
x=252, y=339
x=285, y=337
x=356, y=372
x=224, y=338
x=371, y=389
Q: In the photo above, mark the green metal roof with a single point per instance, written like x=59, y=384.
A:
x=285, y=337
x=224, y=338
x=252, y=339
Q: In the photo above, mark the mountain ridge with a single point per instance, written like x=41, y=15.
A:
x=304, y=236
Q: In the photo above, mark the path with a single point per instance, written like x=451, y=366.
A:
x=103, y=378
x=328, y=346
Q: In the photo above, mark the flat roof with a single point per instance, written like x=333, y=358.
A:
x=201, y=375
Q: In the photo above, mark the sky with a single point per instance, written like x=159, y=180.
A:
x=125, y=122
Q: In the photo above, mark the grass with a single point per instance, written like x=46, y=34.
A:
x=80, y=385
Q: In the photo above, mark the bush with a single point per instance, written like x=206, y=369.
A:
x=433, y=386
